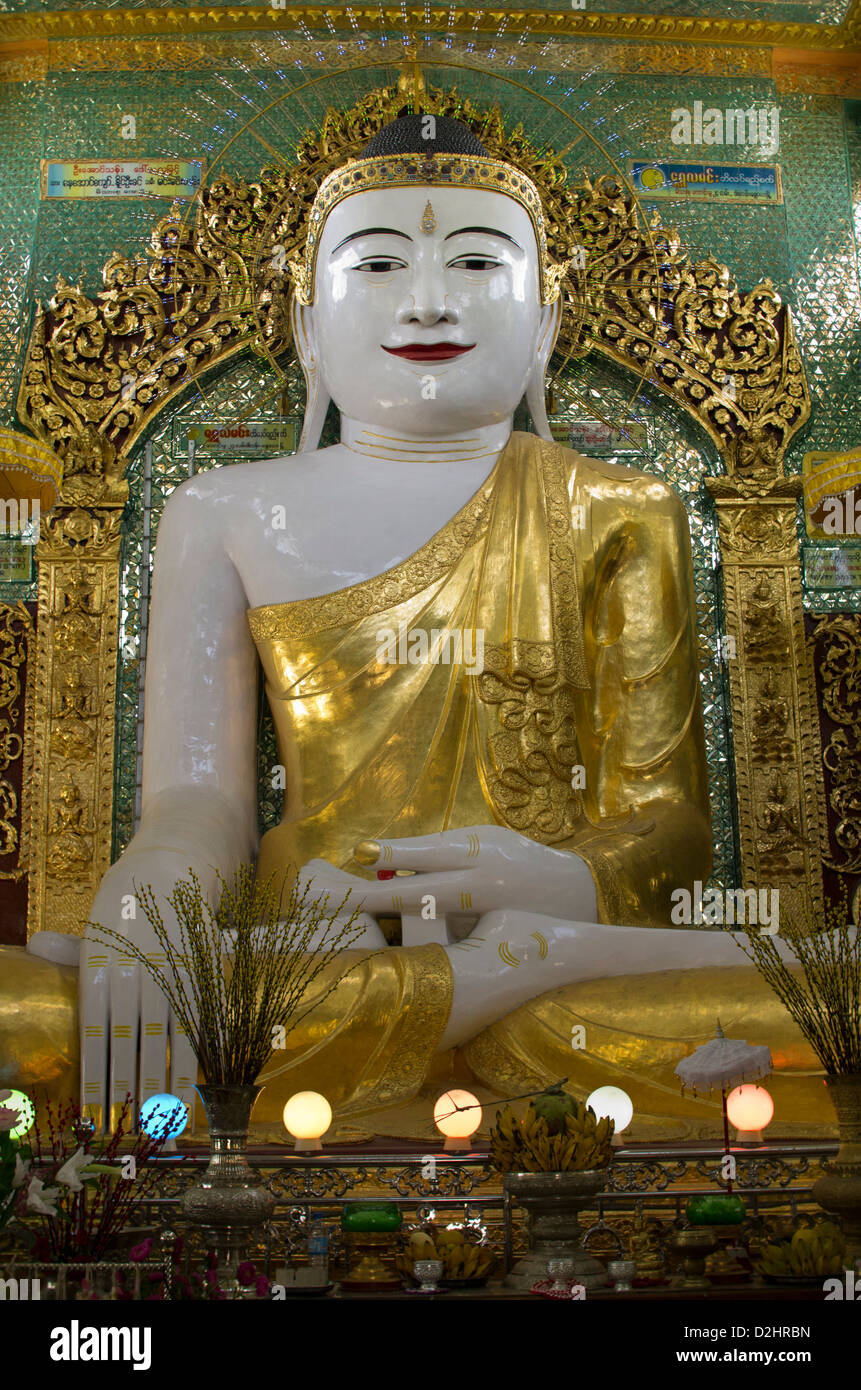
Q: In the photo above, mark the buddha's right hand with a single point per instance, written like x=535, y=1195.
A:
x=324, y=880
x=116, y=994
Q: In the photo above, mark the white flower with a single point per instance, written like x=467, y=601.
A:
x=20, y=1171
x=40, y=1198
x=68, y=1174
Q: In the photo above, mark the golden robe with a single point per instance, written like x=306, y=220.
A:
x=578, y=575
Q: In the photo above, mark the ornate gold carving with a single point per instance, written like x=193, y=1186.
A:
x=728, y=359
x=67, y=24
x=75, y=689
x=778, y=792
x=837, y=643
x=532, y=752
x=16, y=637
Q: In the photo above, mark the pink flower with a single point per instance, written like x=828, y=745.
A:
x=141, y=1252
x=261, y=1284
x=245, y=1273
x=9, y=1118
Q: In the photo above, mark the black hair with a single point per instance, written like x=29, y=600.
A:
x=418, y=133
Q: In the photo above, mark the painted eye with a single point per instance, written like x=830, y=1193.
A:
x=380, y=265
x=475, y=263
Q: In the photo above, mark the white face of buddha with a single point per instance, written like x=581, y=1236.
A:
x=428, y=320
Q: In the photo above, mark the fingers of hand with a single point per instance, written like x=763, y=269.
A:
x=153, y=1046
x=437, y=893
x=449, y=850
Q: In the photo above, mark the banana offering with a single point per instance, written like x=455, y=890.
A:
x=461, y=1258
x=812, y=1251
x=557, y=1134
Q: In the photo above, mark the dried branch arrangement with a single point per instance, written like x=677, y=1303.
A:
x=824, y=995
x=238, y=974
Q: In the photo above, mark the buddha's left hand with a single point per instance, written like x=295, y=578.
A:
x=478, y=869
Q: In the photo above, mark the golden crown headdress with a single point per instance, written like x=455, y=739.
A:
x=474, y=169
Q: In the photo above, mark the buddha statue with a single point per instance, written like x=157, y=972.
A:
x=543, y=802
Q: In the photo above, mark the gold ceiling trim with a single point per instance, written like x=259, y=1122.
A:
x=64, y=24
x=203, y=52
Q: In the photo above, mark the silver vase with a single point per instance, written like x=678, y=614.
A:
x=228, y=1204
x=553, y=1202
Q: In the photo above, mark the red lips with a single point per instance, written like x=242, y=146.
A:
x=429, y=352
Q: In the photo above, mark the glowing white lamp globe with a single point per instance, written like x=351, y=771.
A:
x=613, y=1101
x=17, y=1100
x=457, y=1115
x=307, y=1116
x=750, y=1108
x=164, y=1114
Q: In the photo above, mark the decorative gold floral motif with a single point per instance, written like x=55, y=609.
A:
x=16, y=637
x=532, y=752
x=76, y=647
x=837, y=641
x=779, y=795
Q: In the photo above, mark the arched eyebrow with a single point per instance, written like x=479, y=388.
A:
x=492, y=231
x=371, y=231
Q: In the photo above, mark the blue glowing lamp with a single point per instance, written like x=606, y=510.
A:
x=164, y=1115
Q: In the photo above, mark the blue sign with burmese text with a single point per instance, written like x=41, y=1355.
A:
x=758, y=183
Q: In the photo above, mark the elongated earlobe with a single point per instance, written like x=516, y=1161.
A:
x=317, y=398
x=550, y=324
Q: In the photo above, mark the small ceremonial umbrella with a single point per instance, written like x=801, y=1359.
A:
x=720, y=1065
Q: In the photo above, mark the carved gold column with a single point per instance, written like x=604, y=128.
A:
x=75, y=690
x=16, y=655
x=774, y=719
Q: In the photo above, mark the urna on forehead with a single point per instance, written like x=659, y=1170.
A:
x=422, y=212
x=419, y=159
